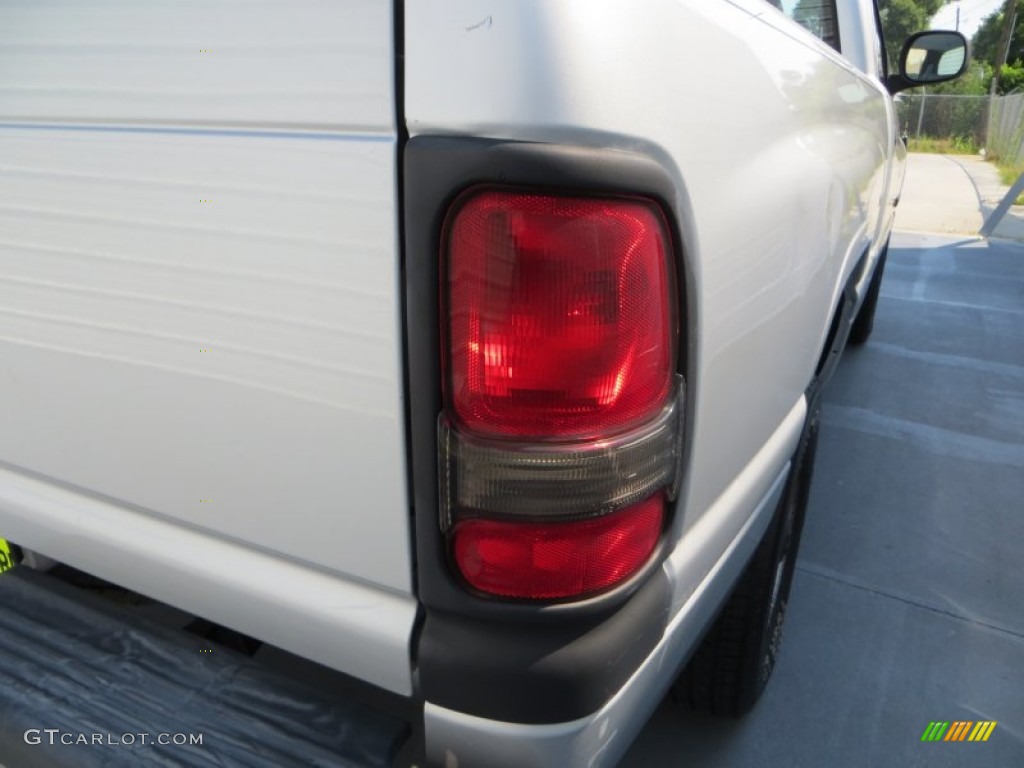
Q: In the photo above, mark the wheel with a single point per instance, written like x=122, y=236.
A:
x=865, y=320
x=731, y=667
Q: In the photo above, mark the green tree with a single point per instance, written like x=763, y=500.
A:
x=986, y=39
x=901, y=19
x=1013, y=77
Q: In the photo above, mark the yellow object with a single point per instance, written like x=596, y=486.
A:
x=6, y=558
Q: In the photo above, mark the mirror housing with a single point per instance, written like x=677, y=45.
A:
x=928, y=58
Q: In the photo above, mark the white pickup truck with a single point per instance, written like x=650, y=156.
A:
x=472, y=350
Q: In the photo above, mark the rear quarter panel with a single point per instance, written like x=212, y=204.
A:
x=777, y=145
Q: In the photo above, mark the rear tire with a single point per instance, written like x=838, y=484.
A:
x=864, y=323
x=731, y=667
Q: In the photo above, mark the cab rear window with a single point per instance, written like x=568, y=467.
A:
x=817, y=16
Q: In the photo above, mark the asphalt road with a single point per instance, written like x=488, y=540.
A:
x=908, y=602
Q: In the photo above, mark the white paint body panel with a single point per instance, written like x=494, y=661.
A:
x=778, y=144
x=780, y=149
x=199, y=302
x=301, y=63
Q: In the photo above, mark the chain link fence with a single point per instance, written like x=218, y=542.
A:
x=941, y=116
x=970, y=122
x=1006, y=129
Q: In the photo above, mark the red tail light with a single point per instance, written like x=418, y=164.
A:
x=561, y=434
x=561, y=316
x=545, y=561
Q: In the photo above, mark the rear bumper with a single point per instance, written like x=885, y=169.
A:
x=355, y=627
x=74, y=666
x=84, y=682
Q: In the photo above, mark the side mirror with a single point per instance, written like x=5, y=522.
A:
x=928, y=58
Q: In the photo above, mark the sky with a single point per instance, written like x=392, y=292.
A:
x=972, y=13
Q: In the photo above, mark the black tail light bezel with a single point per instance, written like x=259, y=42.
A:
x=458, y=630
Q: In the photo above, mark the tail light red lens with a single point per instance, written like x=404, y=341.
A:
x=560, y=315
x=554, y=560
x=561, y=438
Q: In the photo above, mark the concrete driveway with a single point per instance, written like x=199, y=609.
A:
x=908, y=602
x=954, y=194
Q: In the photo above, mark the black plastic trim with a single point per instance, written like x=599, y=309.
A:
x=835, y=343
x=898, y=81
x=509, y=660
x=840, y=327
x=539, y=673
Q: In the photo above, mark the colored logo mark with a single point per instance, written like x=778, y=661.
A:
x=958, y=730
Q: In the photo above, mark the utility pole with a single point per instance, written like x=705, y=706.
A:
x=1003, y=49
